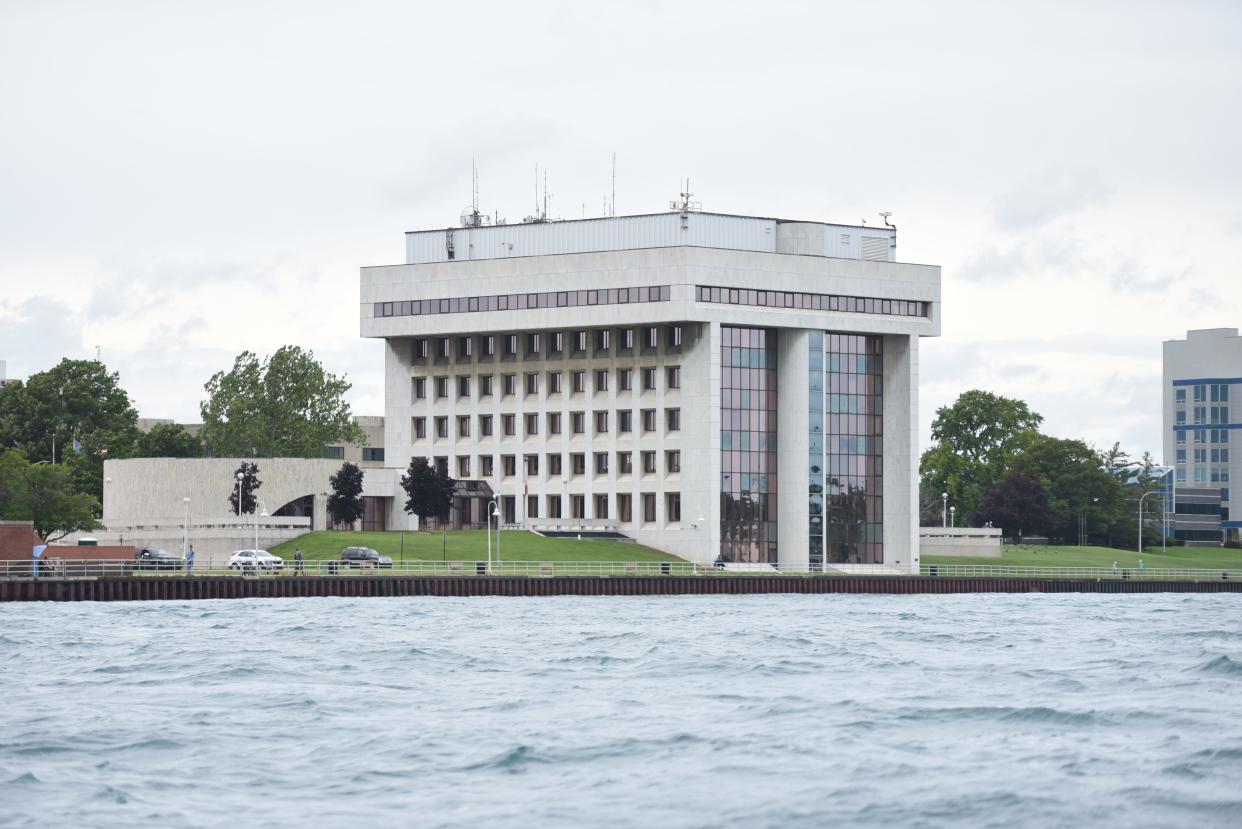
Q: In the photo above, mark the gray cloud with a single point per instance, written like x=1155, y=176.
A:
x=1051, y=195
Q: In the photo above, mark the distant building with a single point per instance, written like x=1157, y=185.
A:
x=4, y=377
x=710, y=385
x=1201, y=375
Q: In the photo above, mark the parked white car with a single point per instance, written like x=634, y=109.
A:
x=255, y=560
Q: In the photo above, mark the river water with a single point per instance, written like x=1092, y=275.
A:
x=978, y=710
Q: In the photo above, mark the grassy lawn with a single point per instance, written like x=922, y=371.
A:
x=1022, y=555
x=467, y=545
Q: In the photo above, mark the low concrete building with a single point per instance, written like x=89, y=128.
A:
x=976, y=542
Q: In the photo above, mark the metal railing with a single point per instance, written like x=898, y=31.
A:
x=111, y=568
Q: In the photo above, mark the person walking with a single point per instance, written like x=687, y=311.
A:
x=1114, y=568
x=298, y=567
x=189, y=560
x=1142, y=566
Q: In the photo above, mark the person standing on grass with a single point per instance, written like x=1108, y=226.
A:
x=1142, y=566
x=298, y=558
x=189, y=560
x=1114, y=568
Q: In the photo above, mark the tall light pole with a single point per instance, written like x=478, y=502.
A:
x=1140, y=518
x=953, y=515
x=240, y=476
x=944, y=518
x=256, y=521
x=185, y=528
x=488, y=513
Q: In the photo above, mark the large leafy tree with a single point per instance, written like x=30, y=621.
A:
x=345, y=503
x=1018, y=505
x=168, y=440
x=429, y=492
x=1077, y=485
x=285, y=406
x=249, y=484
x=79, y=408
x=972, y=443
x=43, y=494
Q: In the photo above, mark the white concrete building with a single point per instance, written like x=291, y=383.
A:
x=1201, y=374
x=706, y=384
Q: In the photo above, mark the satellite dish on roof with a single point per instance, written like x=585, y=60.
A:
x=470, y=216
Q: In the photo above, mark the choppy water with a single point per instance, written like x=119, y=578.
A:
x=664, y=711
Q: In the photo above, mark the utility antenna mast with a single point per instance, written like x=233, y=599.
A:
x=613, y=210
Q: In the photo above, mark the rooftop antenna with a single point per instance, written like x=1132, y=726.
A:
x=885, y=214
x=613, y=211
x=685, y=205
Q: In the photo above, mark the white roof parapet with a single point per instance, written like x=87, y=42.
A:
x=655, y=230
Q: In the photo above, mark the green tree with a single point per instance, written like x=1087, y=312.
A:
x=972, y=443
x=429, y=492
x=79, y=408
x=249, y=484
x=43, y=494
x=345, y=503
x=168, y=440
x=1019, y=506
x=286, y=406
x=1070, y=472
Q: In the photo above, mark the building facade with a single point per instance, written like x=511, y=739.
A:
x=1201, y=375
x=710, y=385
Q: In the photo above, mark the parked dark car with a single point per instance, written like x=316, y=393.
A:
x=156, y=558
x=363, y=557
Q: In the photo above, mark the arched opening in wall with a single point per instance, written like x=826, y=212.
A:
x=303, y=507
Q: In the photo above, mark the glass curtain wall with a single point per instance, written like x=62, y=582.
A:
x=853, y=372
x=748, y=445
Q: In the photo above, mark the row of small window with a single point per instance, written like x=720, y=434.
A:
x=812, y=302
x=553, y=380
x=1203, y=435
x=554, y=421
x=521, y=302
x=1204, y=393
x=554, y=343
x=369, y=453
x=1205, y=414
x=1202, y=476
x=1202, y=456
x=556, y=467
x=601, y=503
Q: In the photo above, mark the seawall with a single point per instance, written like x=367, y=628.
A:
x=147, y=588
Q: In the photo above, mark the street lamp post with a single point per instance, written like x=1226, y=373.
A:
x=185, y=527
x=491, y=510
x=240, y=476
x=953, y=515
x=256, y=521
x=1140, y=518
x=944, y=518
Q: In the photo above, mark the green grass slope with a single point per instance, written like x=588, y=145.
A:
x=1021, y=555
x=467, y=545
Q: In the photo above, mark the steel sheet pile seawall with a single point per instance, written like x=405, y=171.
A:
x=180, y=589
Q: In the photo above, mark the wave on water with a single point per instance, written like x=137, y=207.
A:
x=1221, y=665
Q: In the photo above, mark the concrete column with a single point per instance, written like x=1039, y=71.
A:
x=901, y=449
x=793, y=444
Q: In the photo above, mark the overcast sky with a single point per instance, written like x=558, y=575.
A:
x=182, y=181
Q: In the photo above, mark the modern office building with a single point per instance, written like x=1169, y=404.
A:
x=707, y=384
x=1201, y=374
